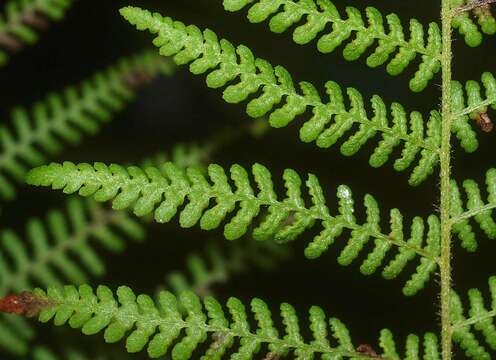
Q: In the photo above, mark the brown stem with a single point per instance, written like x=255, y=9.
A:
x=137, y=79
x=25, y=303
x=475, y=4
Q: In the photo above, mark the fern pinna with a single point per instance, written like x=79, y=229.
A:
x=180, y=324
x=391, y=37
x=22, y=19
x=162, y=328
x=319, y=13
x=330, y=121
x=217, y=264
x=67, y=116
x=164, y=191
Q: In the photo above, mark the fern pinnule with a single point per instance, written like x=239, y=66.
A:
x=392, y=47
x=475, y=208
x=15, y=335
x=169, y=190
x=473, y=103
x=330, y=121
x=55, y=245
x=217, y=264
x=480, y=318
x=163, y=328
x=22, y=21
x=65, y=117
x=464, y=22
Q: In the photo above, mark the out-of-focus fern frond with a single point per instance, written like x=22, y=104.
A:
x=81, y=352
x=56, y=244
x=15, y=334
x=169, y=190
x=313, y=16
x=23, y=19
x=217, y=264
x=67, y=116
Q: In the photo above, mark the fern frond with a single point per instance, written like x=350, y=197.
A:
x=313, y=16
x=67, y=116
x=43, y=353
x=330, y=121
x=15, y=334
x=475, y=208
x=56, y=245
x=72, y=353
x=163, y=328
x=479, y=318
x=218, y=264
x=164, y=191
x=464, y=22
x=23, y=19
x=472, y=104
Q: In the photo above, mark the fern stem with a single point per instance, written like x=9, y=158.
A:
x=445, y=174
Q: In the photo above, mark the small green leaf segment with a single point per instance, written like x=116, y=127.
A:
x=163, y=328
x=330, y=121
x=471, y=102
x=480, y=318
x=217, y=264
x=23, y=19
x=475, y=208
x=463, y=21
x=170, y=190
x=394, y=47
x=67, y=116
x=56, y=245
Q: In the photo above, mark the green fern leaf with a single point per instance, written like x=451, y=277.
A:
x=463, y=21
x=170, y=190
x=70, y=114
x=163, y=328
x=22, y=21
x=217, y=265
x=480, y=319
x=72, y=236
x=317, y=14
x=476, y=208
x=330, y=121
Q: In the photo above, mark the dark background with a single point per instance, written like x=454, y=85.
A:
x=182, y=109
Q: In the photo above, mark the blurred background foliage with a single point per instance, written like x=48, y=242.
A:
x=182, y=109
